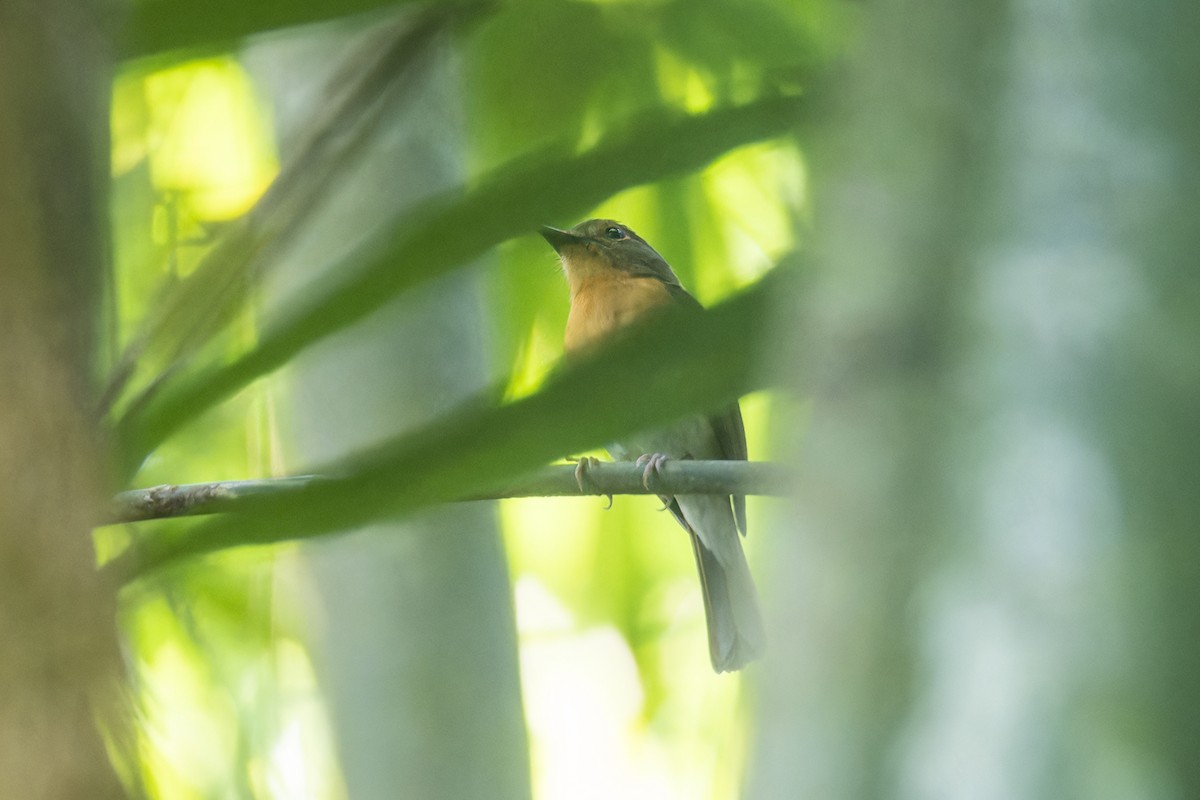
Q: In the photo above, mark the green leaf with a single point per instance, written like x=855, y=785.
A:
x=568, y=63
x=157, y=27
x=678, y=363
x=455, y=228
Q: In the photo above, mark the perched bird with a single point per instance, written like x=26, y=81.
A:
x=615, y=278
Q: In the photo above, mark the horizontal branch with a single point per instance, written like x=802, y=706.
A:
x=603, y=478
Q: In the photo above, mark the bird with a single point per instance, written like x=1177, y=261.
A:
x=616, y=278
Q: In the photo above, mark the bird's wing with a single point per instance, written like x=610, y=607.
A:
x=731, y=436
x=728, y=426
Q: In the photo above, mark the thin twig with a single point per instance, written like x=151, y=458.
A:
x=675, y=477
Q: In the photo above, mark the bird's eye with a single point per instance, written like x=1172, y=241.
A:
x=614, y=233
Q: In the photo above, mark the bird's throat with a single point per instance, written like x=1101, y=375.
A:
x=602, y=304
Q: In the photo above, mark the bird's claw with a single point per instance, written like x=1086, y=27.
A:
x=585, y=483
x=582, y=464
x=653, y=463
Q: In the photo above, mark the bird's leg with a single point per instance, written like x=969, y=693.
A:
x=585, y=483
x=653, y=463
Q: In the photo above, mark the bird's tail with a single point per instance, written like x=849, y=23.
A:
x=735, y=628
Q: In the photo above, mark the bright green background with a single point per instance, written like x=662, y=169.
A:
x=950, y=252
x=676, y=119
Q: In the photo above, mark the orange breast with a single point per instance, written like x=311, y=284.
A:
x=603, y=304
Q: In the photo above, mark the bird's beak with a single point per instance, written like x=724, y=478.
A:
x=559, y=239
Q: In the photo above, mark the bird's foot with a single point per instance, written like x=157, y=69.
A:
x=583, y=481
x=653, y=463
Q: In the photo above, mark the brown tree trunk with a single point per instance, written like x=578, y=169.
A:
x=58, y=649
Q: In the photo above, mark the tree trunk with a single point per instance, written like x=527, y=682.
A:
x=989, y=586
x=58, y=647
x=412, y=626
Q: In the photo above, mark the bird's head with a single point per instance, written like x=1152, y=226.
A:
x=599, y=246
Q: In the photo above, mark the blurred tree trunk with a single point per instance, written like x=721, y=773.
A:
x=58, y=648
x=992, y=591
x=412, y=626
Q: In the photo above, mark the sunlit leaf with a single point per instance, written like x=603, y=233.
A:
x=191, y=313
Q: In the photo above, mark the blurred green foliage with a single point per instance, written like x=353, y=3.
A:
x=678, y=118
x=475, y=449
x=990, y=581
